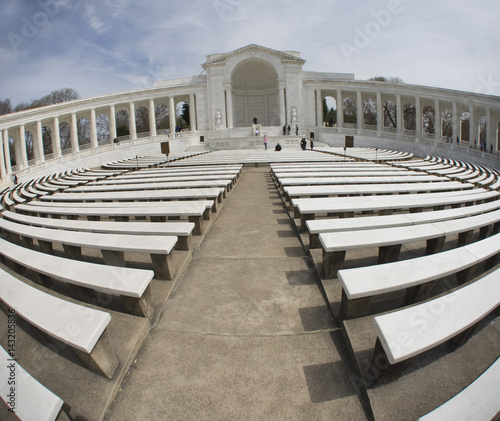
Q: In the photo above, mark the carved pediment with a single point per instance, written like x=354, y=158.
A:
x=285, y=56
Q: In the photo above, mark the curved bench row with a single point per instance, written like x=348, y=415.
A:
x=48, y=268
x=451, y=229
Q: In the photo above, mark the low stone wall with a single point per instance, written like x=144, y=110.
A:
x=420, y=148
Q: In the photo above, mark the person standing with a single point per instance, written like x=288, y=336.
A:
x=288, y=129
x=265, y=142
x=296, y=130
x=312, y=144
x=284, y=129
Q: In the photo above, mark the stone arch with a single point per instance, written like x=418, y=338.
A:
x=183, y=117
x=255, y=92
x=182, y=112
x=329, y=110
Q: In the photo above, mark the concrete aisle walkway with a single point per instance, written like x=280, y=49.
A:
x=247, y=335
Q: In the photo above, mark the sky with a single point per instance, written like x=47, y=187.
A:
x=100, y=47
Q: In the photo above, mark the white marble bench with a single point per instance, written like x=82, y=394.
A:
x=226, y=184
x=131, y=285
x=77, y=326
x=178, y=172
x=360, y=285
x=478, y=401
x=112, y=246
x=211, y=193
x=16, y=196
x=409, y=332
x=182, y=230
x=231, y=178
x=390, y=240
x=32, y=190
x=45, y=186
x=194, y=212
x=308, y=209
x=311, y=181
x=7, y=201
x=29, y=400
x=371, y=189
x=398, y=220
x=342, y=171
x=167, y=205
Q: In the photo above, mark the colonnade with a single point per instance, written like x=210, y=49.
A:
x=459, y=105
x=481, y=111
x=62, y=113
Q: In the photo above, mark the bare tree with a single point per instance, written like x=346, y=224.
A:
x=370, y=112
x=389, y=114
x=409, y=117
x=56, y=97
x=5, y=106
x=142, y=119
x=350, y=110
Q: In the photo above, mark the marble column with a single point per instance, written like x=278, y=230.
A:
x=22, y=161
x=473, y=139
x=360, y=113
x=171, y=114
x=152, y=118
x=454, y=117
x=380, y=114
x=282, y=106
x=38, y=144
x=319, y=108
x=399, y=116
x=193, y=115
x=491, y=132
x=438, y=123
x=93, y=129
x=418, y=118
x=6, y=152
x=340, y=110
x=131, y=122
x=229, y=110
x=75, y=148
x=112, y=123
x=56, y=139
x=3, y=169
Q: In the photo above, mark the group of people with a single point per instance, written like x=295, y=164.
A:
x=276, y=148
x=303, y=144
x=286, y=130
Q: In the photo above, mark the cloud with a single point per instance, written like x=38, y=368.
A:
x=105, y=46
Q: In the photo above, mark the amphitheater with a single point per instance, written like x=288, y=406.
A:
x=200, y=274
